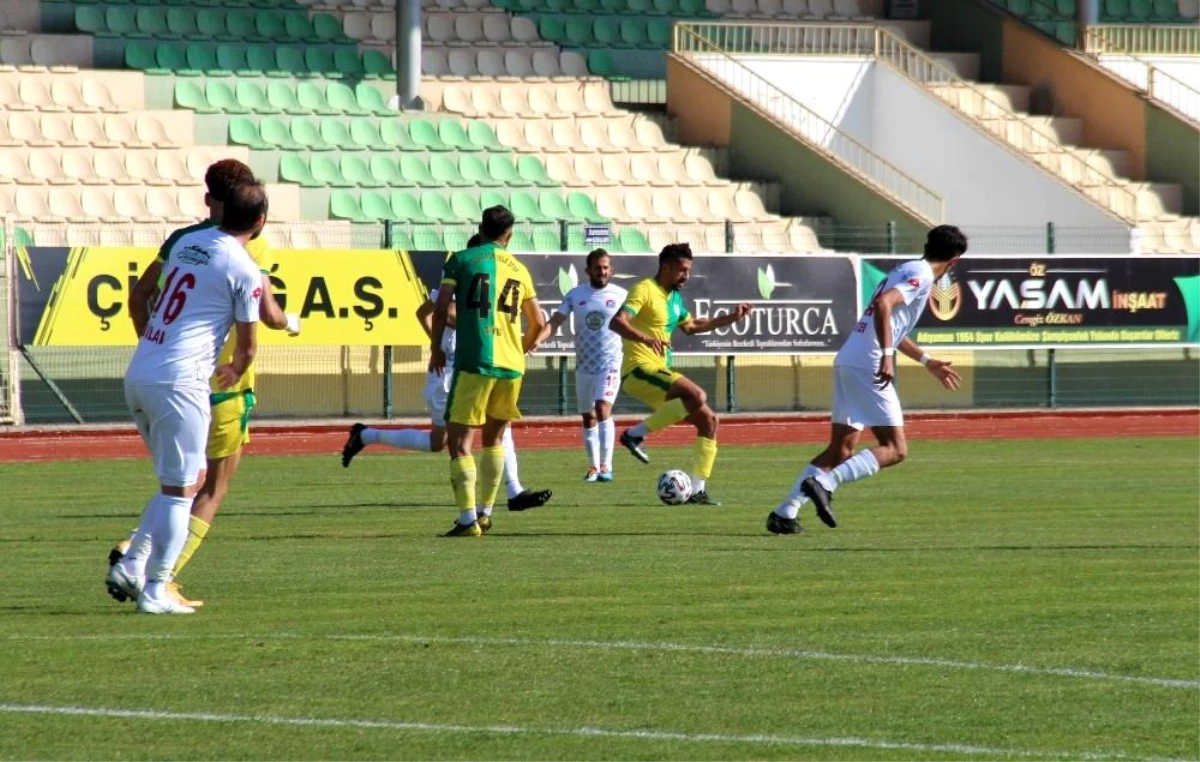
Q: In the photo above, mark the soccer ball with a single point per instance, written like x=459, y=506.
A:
x=674, y=487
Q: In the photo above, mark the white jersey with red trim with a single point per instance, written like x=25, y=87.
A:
x=913, y=280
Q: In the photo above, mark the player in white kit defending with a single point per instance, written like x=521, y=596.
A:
x=864, y=394
x=210, y=283
x=597, y=358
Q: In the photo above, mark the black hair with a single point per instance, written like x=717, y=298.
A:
x=673, y=252
x=944, y=243
x=497, y=221
x=223, y=175
x=244, y=204
x=594, y=255
x=475, y=240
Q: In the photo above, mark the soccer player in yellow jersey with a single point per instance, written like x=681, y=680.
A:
x=491, y=290
x=650, y=314
x=231, y=407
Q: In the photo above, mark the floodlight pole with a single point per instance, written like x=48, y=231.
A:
x=408, y=54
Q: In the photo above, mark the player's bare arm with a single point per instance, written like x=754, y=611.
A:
x=556, y=321
x=424, y=315
x=940, y=369
x=881, y=312
x=535, y=325
x=694, y=326
x=620, y=325
x=243, y=355
x=272, y=315
x=142, y=295
x=440, y=318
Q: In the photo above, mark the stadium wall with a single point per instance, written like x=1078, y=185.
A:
x=1173, y=150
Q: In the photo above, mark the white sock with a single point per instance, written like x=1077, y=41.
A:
x=795, y=500
x=134, y=562
x=467, y=517
x=401, y=439
x=698, y=484
x=591, y=443
x=169, y=535
x=512, y=478
x=858, y=467
x=483, y=510
x=639, y=430
x=608, y=435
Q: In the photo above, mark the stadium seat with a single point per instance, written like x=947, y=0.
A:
x=533, y=172
x=414, y=169
x=444, y=170
x=375, y=206
x=465, y=206
x=497, y=28
x=335, y=134
x=425, y=136
x=524, y=31
x=294, y=169
x=370, y=100
x=311, y=99
x=452, y=134
x=141, y=166
x=246, y=133
x=221, y=95
x=33, y=92
x=501, y=168
x=405, y=206
x=365, y=134
x=277, y=134
x=344, y=206
x=325, y=169
x=189, y=95
x=475, y=172
x=394, y=133
x=251, y=97
x=357, y=26
x=282, y=98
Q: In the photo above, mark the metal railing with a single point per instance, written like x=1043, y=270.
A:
x=983, y=106
x=1143, y=39
x=700, y=44
x=1116, y=49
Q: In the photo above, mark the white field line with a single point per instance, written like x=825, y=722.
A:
x=583, y=732
x=633, y=645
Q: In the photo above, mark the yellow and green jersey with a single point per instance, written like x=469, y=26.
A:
x=656, y=312
x=260, y=252
x=490, y=285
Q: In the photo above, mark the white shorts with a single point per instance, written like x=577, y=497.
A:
x=174, y=424
x=858, y=401
x=437, y=390
x=591, y=388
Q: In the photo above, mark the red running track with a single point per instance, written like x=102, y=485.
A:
x=123, y=442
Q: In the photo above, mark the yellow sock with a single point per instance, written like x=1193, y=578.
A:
x=704, y=454
x=671, y=413
x=491, y=467
x=197, y=531
x=462, y=476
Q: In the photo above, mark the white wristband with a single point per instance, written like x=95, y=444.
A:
x=924, y=359
x=293, y=324
x=889, y=351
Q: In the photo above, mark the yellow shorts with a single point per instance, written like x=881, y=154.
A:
x=649, y=384
x=230, y=427
x=474, y=399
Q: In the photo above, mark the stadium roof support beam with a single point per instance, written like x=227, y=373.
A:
x=408, y=54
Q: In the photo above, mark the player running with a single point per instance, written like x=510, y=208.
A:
x=491, y=289
x=651, y=313
x=437, y=389
x=211, y=284
x=864, y=392
x=230, y=428
x=597, y=358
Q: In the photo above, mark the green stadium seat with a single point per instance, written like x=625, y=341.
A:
x=189, y=95
x=640, y=7
x=269, y=25
x=153, y=22
x=520, y=241
x=414, y=169
x=533, y=172
x=693, y=9
x=275, y=133
x=328, y=28
x=311, y=98
x=600, y=63
x=425, y=135
x=455, y=239
x=525, y=207
x=445, y=170
x=90, y=20
x=385, y=171
x=607, y=32
x=121, y=21
x=182, y=23
x=141, y=56
x=658, y=33
x=405, y=207
x=546, y=239
x=1039, y=11
x=320, y=62
x=241, y=26
x=326, y=171
x=465, y=206
x=614, y=7
x=583, y=207
x=211, y=25
x=401, y=240
x=1166, y=10
x=371, y=100
x=348, y=63
x=1066, y=8
x=377, y=66
x=290, y=62
x=1116, y=10
x=221, y=96
x=473, y=169
x=588, y=7
x=632, y=241
x=297, y=26
x=364, y=133
x=1141, y=10
x=336, y=133
x=436, y=207
x=579, y=32
x=341, y=98
x=551, y=29
x=344, y=206
x=558, y=6
x=294, y=169
x=395, y=134
x=236, y=59
x=452, y=134
x=575, y=240
x=375, y=206
x=428, y=239
x=243, y=132
x=503, y=169
x=665, y=7
x=552, y=206
x=482, y=135
x=633, y=33
x=282, y=97
x=252, y=97
x=1067, y=33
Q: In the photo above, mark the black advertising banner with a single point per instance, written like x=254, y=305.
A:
x=802, y=304
x=1057, y=301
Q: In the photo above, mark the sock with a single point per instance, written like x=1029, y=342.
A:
x=197, y=531
x=591, y=443
x=491, y=471
x=512, y=478
x=170, y=534
x=483, y=510
x=704, y=454
x=608, y=435
x=862, y=465
x=135, y=558
x=671, y=413
x=401, y=439
x=462, y=478
x=795, y=500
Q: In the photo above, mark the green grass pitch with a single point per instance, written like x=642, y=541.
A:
x=985, y=600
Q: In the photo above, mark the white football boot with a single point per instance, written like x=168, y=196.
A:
x=167, y=604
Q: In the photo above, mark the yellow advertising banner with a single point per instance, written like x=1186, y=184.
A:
x=343, y=297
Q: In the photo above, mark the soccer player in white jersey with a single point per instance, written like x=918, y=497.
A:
x=210, y=285
x=864, y=391
x=437, y=391
x=597, y=358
